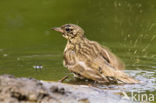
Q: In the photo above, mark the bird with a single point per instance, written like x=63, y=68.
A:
x=87, y=59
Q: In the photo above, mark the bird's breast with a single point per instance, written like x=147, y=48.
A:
x=69, y=57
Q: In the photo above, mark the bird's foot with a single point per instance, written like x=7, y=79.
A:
x=64, y=78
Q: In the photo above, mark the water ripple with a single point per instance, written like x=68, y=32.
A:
x=147, y=79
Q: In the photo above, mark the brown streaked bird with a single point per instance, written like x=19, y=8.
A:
x=88, y=59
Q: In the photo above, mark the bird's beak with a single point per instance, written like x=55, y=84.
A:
x=58, y=29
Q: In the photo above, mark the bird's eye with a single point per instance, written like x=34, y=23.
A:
x=67, y=29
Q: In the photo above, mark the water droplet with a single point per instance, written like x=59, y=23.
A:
x=5, y=55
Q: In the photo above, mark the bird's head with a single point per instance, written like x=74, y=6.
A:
x=70, y=31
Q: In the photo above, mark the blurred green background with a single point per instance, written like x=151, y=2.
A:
x=127, y=27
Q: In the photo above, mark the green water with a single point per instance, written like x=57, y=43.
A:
x=127, y=27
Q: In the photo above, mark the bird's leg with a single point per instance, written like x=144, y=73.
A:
x=64, y=78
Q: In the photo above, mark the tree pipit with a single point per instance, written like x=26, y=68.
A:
x=88, y=59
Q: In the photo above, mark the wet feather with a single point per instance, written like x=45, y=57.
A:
x=88, y=59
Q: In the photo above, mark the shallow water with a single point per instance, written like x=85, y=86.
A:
x=127, y=27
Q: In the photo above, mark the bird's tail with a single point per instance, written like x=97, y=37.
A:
x=119, y=76
x=126, y=79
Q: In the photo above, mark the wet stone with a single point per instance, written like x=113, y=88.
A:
x=25, y=90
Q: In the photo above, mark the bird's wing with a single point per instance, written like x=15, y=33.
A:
x=94, y=66
x=112, y=59
x=101, y=72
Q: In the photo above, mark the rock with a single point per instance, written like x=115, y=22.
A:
x=28, y=90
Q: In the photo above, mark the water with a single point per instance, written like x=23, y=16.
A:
x=127, y=27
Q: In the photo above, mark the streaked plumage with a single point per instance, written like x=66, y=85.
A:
x=88, y=59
